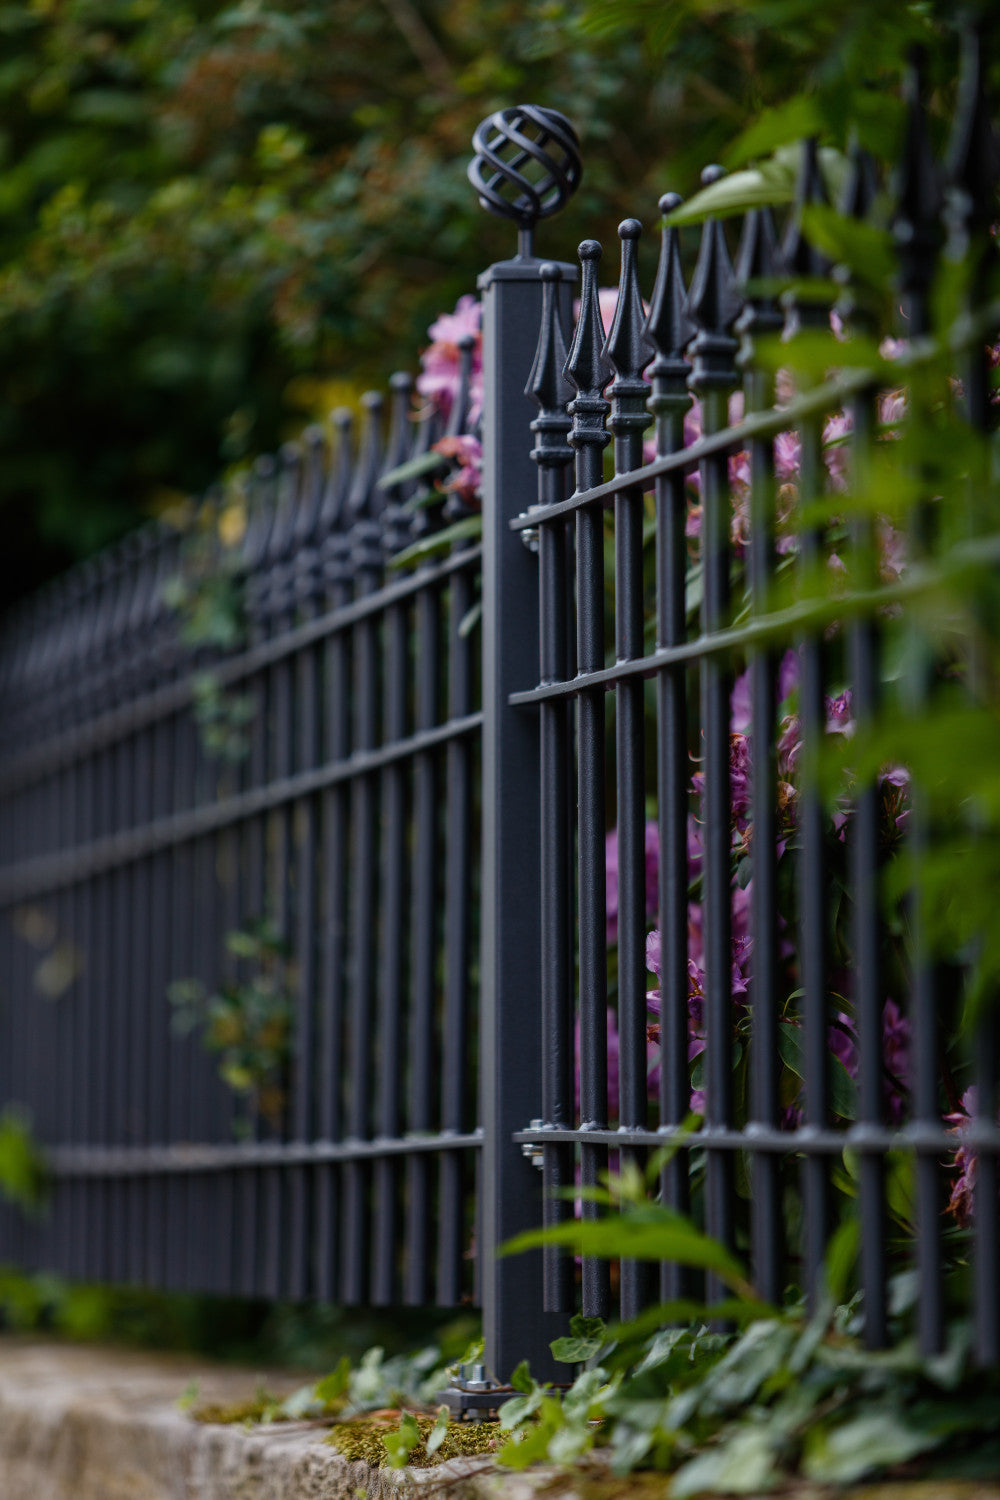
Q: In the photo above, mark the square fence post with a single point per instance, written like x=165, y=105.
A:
x=510, y=1058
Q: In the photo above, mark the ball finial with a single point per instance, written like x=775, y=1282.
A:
x=526, y=166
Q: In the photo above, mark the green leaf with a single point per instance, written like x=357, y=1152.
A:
x=795, y=120
x=334, y=1385
x=843, y=1089
x=401, y=1443
x=653, y=1235
x=857, y=244
x=441, y=541
x=522, y=1380
x=876, y=1439
x=22, y=1166
x=413, y=468
x=439, y=1431
x=742, y=1464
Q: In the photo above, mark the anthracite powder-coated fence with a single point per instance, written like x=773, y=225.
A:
x=416, y=798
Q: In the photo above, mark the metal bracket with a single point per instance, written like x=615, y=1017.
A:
x=531, y=1150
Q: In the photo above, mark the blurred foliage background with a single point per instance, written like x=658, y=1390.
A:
x=215, y=219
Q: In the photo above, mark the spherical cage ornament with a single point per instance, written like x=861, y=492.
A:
x=527, y=163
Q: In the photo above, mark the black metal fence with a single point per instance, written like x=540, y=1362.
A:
x=673, y=701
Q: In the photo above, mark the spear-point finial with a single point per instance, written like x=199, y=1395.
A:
x=917, y=224
x=589, y=370
x=396, y=521
x=756, y=267
x=311, y=496
x=526, y=166
x=857, y=201
x=363, y=497
x=714, y=304
x=629, y=351
x=668, y=327
x=972, y=165
x=800, y=259
x=365, y=500
x=548, y=385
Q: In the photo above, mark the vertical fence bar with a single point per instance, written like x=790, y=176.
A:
x=336, y=824
x=670, y=330
x=756, y=264
x=714, y=306
x=801, y=261
x=589, y=371
x=629, y=351
x=366, y=558
x=918, y=231
x=548, y=387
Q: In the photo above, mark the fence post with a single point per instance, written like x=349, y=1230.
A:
x=523, y=185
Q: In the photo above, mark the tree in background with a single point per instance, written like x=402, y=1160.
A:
x=214, y=217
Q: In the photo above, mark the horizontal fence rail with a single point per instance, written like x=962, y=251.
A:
x=524, y=888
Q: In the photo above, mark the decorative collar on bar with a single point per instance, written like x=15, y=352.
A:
x=526, y=167
x=714, y=304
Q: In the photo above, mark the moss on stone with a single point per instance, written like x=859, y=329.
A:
x=259, y=1408
x=362, y=1440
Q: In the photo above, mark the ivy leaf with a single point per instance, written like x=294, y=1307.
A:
x=650, y=1235
x=439, y=1431
x=876, y=1439
x=742, y=1465
x=522, y=1380
x=401, y=1443
x=586, y=1338
x=334, y=1385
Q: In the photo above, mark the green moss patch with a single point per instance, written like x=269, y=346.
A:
x=263, y=1407
x=362, y=1440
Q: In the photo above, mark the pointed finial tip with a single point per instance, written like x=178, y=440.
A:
x=313, y=436
x=342, y=416
x=290, y=453
x=712, y=174
x=550, y=271
x=590, y=250
x=669, y=202
x=401, y=380
x=629, y=229
x=263, y=466
x=467, y=341
x=371, y=400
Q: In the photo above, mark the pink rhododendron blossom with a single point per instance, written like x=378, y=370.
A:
x=468, y=479
x=441, y=361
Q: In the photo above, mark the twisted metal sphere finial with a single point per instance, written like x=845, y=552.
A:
x=526, y=166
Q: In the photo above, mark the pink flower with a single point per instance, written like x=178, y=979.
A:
x=439, y=379
x=835, y=451
x=468, y=478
